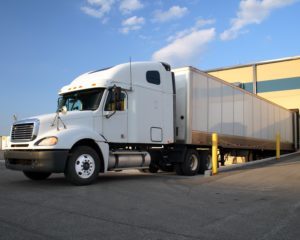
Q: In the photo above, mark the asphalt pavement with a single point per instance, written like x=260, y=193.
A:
x=255, y=202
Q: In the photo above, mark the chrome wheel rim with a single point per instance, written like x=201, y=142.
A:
x=193, y=162
x=85, y=166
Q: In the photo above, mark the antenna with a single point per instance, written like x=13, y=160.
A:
x=130, y=73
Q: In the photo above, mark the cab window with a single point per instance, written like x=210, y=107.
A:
x=153, y=77
x=81, y=100
x=112, y=105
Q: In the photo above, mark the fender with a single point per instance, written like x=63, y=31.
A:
x=104, y=148
x=67, y=139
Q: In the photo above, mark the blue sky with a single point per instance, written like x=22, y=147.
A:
x=44, y=44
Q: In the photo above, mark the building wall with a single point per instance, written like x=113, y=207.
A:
x=241, y=74
x=278, y=70
x=277, y=80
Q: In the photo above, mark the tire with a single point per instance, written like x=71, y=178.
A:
x=83, y=166
x=156, y=157
x=205, y=162
x=178, y=169
x=37, y=175
x=191, y=163
x=153, y=168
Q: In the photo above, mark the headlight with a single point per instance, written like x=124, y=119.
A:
x=48, y=141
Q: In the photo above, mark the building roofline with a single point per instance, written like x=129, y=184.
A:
x=255, y=63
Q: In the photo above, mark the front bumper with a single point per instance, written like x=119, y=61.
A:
x=36, y=160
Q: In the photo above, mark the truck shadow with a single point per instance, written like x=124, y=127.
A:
x=59, y=180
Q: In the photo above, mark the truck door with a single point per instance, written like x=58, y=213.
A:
x=115, y=127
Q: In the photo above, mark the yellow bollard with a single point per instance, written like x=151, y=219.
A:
x=277, y=146
x=214, y=153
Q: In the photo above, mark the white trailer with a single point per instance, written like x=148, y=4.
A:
x=206, y=104
x=144, y=115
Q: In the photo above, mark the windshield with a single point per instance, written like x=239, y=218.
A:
x=81, y=100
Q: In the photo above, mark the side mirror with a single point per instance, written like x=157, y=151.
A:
x=117, y=94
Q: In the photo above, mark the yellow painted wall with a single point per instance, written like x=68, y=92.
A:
x=277, y=70
x=287, y=68
x=265, y=71
x=242, y=75
x=289, y=99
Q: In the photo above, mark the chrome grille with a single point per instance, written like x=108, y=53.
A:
x=24, y=131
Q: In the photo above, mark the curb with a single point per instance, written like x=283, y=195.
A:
x=245, y=165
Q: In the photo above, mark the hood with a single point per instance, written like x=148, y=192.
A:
x=72, y=115
x=50, y=124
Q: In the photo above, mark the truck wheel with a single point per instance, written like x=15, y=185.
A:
x=178, y=169
x=36, y=175
x=83, y=166
x=156, y=157
x=153, y=168
x=191, y=163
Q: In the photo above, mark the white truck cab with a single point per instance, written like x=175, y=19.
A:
x=106, y=120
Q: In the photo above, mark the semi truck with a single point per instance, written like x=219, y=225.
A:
x=147, y=116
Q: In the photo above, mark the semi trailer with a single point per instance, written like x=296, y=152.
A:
x=147, y=116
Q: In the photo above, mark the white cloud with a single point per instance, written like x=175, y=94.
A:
x=205, y=22
x=128, y=6
x=252, y=12
x=132, y=24
x=185, y=49
x=174, y=12
x=98, y=8
x=199, y=24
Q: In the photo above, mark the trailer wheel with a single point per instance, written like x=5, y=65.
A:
x=191, y=163
x=83, y=166
x=37, y=175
